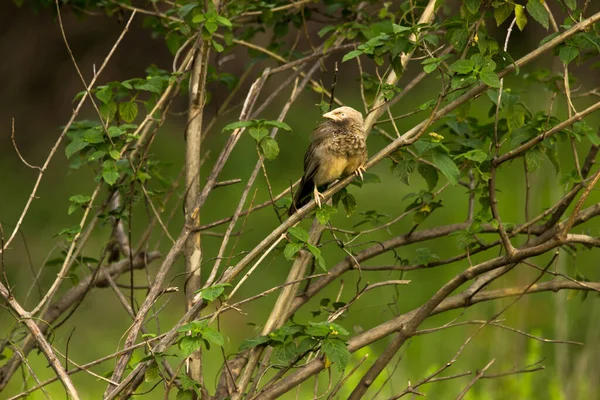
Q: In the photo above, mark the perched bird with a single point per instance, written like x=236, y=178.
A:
x=337, y=149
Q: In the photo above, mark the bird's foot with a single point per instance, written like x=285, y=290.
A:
x=359, y=172
x=318, y=197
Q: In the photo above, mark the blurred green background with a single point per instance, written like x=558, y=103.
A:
x=38, y=84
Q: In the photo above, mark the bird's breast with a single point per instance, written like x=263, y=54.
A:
x=331, y=168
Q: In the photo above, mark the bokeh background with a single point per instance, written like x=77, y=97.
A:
x=38, y=83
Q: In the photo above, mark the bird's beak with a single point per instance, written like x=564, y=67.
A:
x=330, y=115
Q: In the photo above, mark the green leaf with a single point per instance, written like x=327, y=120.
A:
x=280, y=125
x=502, y=12
x=250, y=343
x=318, y=329
x=299, y=233
x=152, y=373
x=269, y=147
x=324, y=213
x=349, y=203
x=238, y=124
x=190, y=344
x=430, y=175
x=285, y=353
x=224, y=21
x=337, y=352
x=404, y=169
x=115, y=154
x=533, y=159
x=351, y=55
x=108, y=110
x=75, y=146
x=128, y=111
x=291, y=249
x=489, y=77
x=211, y=26
x=473, y=5
x=316, y=252
x=521, y=16
x=213, y=336
x=115, y=131
x=568, y=53
x=80, y=199
x=462, y=66
x=110, y=173
x=476, y=155
x=537, y=10
x=213, y=292
x=96, y=155
x=446, y=166
x=104, y=94
x=185, y=9
x=185, y=395
x=572, y=4
x=258, y=133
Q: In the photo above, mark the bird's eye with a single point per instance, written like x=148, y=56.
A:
x=343, y=115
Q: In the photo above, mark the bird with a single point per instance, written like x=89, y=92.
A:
x=337, y=149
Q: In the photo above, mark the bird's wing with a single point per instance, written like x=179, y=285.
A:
x=312, y=158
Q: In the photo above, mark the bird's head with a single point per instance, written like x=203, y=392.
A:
x=345, y=116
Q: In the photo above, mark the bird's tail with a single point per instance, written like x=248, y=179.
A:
x=302, y=196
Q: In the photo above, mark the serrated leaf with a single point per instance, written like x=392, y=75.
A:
x=324, y=213
x=462, y=66
x=108, y=110
x=190, y=344
x=285, y=353
x=521, y=16
x=114, y=131
x=568, y=53
x=258, y=133
x=128, y=111
x=104, y=94
x=213, y=292
x=213, y=336
x=152, y=373
x=80, y=199
x=502, y=12
x=115, y=154
x=489, y=77
x=316, y=252
x=280, y=125
x=238, y=124
x=446, y=166
x=185, y=395
x=223, y=21
x=291, y=249
x=250, y=343
x=349, y=203
x=184, y=10
x=299, y=233
x=110, y=173
x=211, y=26
x=537, y=10
x=96, y=155
x=337, y=352
x=473, y=5
x=533, y=159
x=404, y=168
x=572, y=4
x=75, y=146
x=430, y=175
x=269, y=148
x=351, y=55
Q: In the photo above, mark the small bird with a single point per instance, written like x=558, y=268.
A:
x=337, y=149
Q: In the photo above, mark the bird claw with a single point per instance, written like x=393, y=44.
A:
x=318, y=197
x=359, y=172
